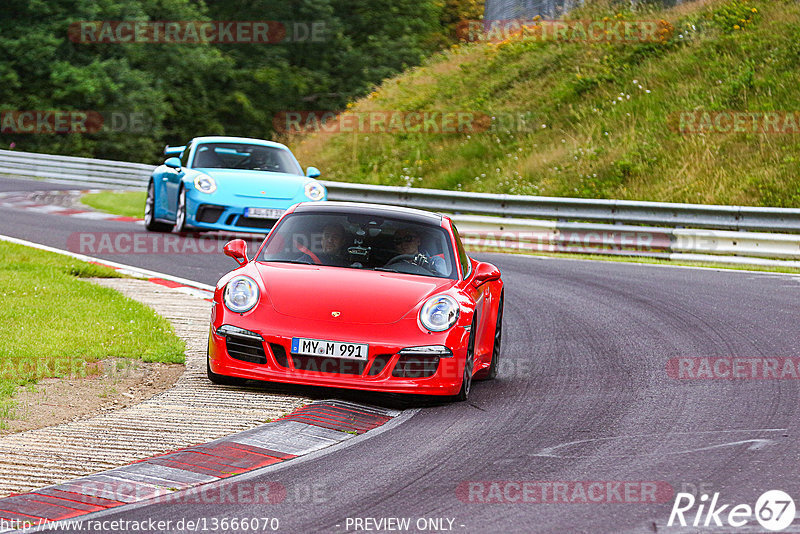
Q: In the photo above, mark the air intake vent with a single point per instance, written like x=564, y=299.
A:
x=379, y=363
x=208, y=213
x=280, y=354
x=246, y=349
x=416, y=366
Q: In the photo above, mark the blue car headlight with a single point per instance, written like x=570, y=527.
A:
x=315, y=191
x=439, y=313
x=205, y=184
x=241, y=294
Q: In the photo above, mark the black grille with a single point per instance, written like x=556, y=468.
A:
x=379, y=363
x=250, y=222
x=416, y=366
x=280, y=354
x=337, y=366
x=245, y=349
x=209, y=214
x=230, y=219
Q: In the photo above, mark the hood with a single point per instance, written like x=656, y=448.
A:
x=258, y=184
x=373, y=297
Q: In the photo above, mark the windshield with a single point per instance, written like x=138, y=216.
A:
x=359, y=241
x=244, y=156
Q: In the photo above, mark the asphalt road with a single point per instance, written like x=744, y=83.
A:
x=583, y=396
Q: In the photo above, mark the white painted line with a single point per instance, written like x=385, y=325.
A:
x=122, y=268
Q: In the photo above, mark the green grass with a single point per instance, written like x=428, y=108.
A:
x=596, y=116
x=126, y=204
x=53, y=324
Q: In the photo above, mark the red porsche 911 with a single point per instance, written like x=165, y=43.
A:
x=358, y=296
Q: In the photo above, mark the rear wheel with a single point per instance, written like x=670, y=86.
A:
x=180, y=217
x=150, y=222
x=466, y=380
x=491, y=373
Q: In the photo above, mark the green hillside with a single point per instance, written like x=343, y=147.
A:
x=598, y=120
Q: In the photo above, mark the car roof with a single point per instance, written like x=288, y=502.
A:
x=378, y=210
x=247, y=140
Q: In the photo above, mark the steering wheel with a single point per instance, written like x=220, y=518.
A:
x=308, y=253
x=402, y=257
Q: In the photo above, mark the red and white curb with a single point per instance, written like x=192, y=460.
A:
x=189, y=473
x=48, y=202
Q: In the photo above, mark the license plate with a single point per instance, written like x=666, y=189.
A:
x=263, y=213
x=329, y=349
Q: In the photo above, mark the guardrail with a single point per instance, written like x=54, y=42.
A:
x=516, y=222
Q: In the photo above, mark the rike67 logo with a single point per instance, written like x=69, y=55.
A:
x=774, y=511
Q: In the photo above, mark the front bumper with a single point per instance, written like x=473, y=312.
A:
x=388, y=368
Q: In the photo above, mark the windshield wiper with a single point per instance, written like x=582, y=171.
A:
x=301, y=262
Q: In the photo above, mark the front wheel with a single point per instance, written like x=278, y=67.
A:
x=491, y=373
x=180, y=217
x=150, y=222
x=466, y=380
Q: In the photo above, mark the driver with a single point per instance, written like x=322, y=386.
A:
x=259, y=160
x=407, y=241
x=331, y=249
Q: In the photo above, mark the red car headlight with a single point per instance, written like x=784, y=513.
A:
x=241, y=294
x=439, y=313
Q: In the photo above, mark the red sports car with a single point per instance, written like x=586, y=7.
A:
x=358, y=296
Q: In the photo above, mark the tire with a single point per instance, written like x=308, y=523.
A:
x=491, y=373
x=180, y=214
x=150, y=222
x=466, y=379
x=220, y=380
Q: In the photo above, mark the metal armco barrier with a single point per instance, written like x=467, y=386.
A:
x=623, y=240
x=654, y=229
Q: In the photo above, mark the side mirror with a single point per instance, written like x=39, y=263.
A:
x=485, y=272
x=173, y=163
x=313, y=172
x=236, y=249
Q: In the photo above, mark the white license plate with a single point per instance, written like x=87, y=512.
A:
x=263, y=213
x=329, y=349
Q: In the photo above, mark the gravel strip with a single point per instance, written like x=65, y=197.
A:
x=193, y=411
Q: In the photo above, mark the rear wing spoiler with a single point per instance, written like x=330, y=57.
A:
x=173, y=150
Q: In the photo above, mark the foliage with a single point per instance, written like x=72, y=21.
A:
x=175, y=91
x=584, y=119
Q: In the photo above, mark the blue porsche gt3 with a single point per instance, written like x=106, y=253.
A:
x=227, y=183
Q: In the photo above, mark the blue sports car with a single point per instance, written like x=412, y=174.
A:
x=227, y=183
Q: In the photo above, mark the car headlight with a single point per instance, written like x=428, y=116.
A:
x=205, y=184
x=241, y=294
x=315, y=191
x=439, y=313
